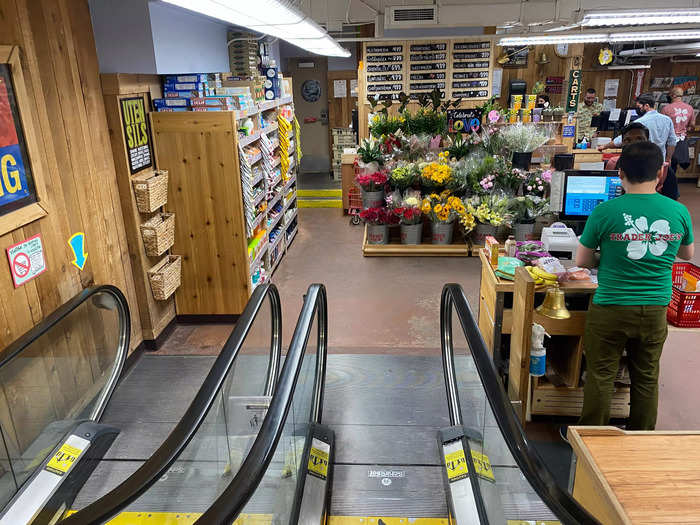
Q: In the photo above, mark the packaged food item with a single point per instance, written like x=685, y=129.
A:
x=576, y=274
x=491, y=245
x=690, y=283
x=550, y=265
x=530, y=251
x=511, y=246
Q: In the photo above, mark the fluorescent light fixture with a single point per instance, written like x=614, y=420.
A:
x=575, y=38
x=271, y=17
x=635, y=17
x=635, y=36
x=641, y=66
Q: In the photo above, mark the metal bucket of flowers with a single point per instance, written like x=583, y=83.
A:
x=442, y=210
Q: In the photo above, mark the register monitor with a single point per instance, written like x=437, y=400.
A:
x=584, y=190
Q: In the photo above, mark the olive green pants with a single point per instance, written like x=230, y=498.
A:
x=610, y=329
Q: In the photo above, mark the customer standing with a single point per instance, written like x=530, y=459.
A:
x=682, y=115
x=661, y=133
x=588, y=109
x=639, y=235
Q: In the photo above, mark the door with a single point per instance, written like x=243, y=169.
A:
x=342, y=99
x=309, y=77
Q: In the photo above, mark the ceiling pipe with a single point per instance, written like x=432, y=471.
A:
x=653, y=50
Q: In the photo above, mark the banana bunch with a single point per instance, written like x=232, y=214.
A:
x=540, y=276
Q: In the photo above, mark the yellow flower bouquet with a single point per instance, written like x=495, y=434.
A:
x=443, y=207
x=437, y=174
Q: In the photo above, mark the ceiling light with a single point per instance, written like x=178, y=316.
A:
x=641, y=17
x=631, y=66
x=634, y=36
x=553, y=39
x=271, y=17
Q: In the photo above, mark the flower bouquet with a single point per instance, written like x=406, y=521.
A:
x=372, y=189
x=378, y=221
x=524, y=211
x=411, y=218
x=436, y=175
x=537, y=182
x=522, y=140
x=404, y=175
x=442, y=210
x=490, y=212
x=495, y=173
x=370, y=157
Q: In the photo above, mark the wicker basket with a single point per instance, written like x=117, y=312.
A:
x=151, y=190
x=158, y=233
x=165, y=277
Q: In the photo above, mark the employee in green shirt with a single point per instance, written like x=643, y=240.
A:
x=639, y=235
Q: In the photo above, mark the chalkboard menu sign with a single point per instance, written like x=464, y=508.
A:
x=385, y=70
x=458, y=68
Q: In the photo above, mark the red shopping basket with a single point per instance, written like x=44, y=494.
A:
x=684, y=309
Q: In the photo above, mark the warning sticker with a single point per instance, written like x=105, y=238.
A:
x=26, y=260
x=456, y=465
x=519, y=522
x=318, y=459
x=482, y=466
x=61, y=462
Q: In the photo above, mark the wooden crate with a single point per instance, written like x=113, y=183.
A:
x=550, y=400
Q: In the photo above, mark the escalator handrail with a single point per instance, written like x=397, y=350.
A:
x=233, y=499
x=25, y=341
x=162, y=459
x=526, y=456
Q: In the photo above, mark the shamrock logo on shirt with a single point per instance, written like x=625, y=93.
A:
x=650, y=235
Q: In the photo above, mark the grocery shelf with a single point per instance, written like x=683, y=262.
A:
x=289, y=221
x=275, y=200
x=279, y=259
x=245, y=141
x=269, y=129
x=288, y=185
x=259, y=199
x=292, y=235
x=257, y=179
x=255, y=158
x=276, y=181
x=286, y=206
x=272, y=104
x=275, y=143
x=276, y=161
x=245, y=113
x=258, y=258
x=258, y=220
x=275, y=244
x=275, y=221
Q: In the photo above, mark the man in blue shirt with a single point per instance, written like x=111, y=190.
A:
x=661, y=133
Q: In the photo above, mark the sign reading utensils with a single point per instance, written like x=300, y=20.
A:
x=136, y=133
x=26, y=260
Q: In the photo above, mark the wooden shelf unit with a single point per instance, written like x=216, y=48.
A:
x=200, y=151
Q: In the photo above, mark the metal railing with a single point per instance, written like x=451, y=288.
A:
x=140, y=481
x=559, y=501
x=234, y=498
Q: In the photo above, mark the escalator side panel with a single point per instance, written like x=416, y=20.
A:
x=312, y=502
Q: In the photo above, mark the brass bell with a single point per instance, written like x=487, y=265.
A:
x=543, y=59
x=554, y=305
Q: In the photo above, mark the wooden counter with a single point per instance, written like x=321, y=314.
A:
x=637, y=477
x=347, y=178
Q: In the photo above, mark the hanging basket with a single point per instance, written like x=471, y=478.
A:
x=165, y=277
x=151, y=190
x=158, y=233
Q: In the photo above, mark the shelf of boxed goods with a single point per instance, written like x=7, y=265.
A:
x=247, y=141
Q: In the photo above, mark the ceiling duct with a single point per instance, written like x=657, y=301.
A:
x=407, y=16
x=656, y=51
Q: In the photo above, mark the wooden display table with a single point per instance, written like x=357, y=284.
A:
x=637, y=477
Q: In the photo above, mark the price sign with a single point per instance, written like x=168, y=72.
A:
x=470, y=74
x=428, y=56
x=471, y=65
x=385, y=58
x=384, y=49
x=458, y=46
x=428, y=76
x=429, y=67
x=420, y=48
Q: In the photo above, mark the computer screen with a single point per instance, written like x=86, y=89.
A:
x=584, y=190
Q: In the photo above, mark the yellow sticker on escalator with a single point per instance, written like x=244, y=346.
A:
x=533, y=522
x=318, y=463
x=456, y=465
x=63, y=459
x=482, y=466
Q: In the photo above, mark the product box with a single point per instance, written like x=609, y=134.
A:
x=170, y=102
x=491, y=245
x=210, y=108
x=185, y=86
x=531, y=101
x=183, y=94
x=225, y=103
x=174, y=79
x=178, y=109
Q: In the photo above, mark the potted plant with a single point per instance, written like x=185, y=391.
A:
x=370, y=157
x=411, y=220
x=557, y=113
x=490, y=212
x=524, y=210
x=378, y=221
x=522, y=140
x=372, y=186
x=442, y=210
x=547, y=114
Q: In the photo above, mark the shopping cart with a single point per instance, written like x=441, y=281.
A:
x=354, y=205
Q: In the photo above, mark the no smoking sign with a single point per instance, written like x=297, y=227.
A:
x=26, y=260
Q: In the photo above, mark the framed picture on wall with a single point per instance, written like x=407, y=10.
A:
x=21, y=187
x=518, y=56
x=16, y=181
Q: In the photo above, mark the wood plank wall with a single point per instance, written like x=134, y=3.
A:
x=60, y=66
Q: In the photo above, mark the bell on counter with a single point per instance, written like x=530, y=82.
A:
x=554, y=305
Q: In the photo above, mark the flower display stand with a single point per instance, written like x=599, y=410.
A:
x=458, y=248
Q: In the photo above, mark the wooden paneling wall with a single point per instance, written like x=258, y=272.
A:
x=75, y=161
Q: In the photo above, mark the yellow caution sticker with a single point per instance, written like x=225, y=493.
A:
x=318, y=463
x=456, y=465
x=482, y=466
x=63, y=459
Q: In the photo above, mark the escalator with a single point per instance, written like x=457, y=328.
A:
x=62, y=436
x=477, y=467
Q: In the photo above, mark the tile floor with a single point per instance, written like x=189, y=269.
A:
x=391, y=305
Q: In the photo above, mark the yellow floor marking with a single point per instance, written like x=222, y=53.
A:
x=319, y=203
x=320, y=193
x=388, y=520
x=178, y=518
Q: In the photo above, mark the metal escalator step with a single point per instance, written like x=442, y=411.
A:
x=386, y=444
x=385, y=520
x=388, y=490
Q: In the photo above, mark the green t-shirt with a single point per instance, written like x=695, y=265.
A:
x=639, y=236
